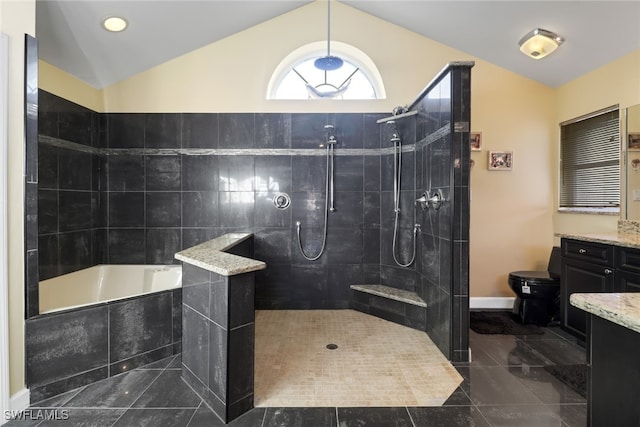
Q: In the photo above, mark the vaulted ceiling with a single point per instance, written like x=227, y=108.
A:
x=596, y=32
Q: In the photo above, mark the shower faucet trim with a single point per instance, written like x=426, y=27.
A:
x=433, y=199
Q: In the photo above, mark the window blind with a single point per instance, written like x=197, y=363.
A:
x=590, y=162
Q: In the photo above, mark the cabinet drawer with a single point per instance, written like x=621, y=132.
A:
x=588, y=251
x=628, y=259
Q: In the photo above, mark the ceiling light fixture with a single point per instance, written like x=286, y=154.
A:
x=115, y=24
x=539, y=43
x=328, y=62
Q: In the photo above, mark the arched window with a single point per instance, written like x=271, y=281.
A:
x=296, y=77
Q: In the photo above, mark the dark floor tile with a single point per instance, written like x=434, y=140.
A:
x=115, y=392
x=447, y=416
x=479, y=357
x=559, y=351
x=546, y=387
x=204, y=417
x=176, y=363
x=373, y=417
x=58, y=400
x=458, y=398
x=300, y=417
x=510, y=351
x=160, y=364
x=572, y=415
x=168, y=391
x=488, y=385
x=20, y=421
x=86, y=418
x=159, y=417
x=521, y=416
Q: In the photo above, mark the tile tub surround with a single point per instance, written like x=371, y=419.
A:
x=620, y=308
x=218, y=322
x=77, y=347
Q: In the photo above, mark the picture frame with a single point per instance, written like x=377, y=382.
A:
x=633, y=139
x=500, y=160
x=475, y=141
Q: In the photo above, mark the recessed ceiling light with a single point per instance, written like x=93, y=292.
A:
x=114, y=24
x=539, y=43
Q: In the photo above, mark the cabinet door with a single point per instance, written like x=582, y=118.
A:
x=581, y=277
x=627, y=282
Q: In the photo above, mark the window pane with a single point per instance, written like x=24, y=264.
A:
x=590, y=162
x=293, y=85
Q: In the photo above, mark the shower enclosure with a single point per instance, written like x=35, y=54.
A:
x=157, y=183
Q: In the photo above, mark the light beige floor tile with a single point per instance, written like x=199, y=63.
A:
x=377, y=363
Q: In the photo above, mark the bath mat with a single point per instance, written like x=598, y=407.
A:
x=500, y=322
x=575, y=376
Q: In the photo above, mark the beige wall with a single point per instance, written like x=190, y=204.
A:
x=614, y=83
x=58, y=82
x=232, y=75
x=511, y=226
x=16, y=19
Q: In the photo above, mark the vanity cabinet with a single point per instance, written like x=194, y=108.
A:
x=590, y=267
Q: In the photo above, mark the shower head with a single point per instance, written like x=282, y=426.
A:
x=331, y=138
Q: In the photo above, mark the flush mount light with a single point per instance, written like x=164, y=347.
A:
x=114, y=24
x=539, y=43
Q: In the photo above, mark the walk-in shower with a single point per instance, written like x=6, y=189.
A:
x=329, y=206
x=397, y=187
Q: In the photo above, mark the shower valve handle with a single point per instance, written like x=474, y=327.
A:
x=434, y=200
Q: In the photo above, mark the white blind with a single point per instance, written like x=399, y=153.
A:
x=590, y=162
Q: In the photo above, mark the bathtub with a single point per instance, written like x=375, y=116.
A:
x=106, y=283
x=102, y=321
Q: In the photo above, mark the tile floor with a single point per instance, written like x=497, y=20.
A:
x=376, y=362
x=505, y=385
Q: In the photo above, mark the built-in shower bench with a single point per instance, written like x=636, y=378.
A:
x=393, y=304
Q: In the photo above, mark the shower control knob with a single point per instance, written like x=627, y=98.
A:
x=281, y=201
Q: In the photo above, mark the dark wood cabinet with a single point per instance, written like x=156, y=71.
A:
x=594, y=267
x=583, y=277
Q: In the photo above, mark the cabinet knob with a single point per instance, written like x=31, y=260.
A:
x=608, y=271
x=582, y=251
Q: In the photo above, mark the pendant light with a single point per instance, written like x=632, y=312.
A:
x=328, y=62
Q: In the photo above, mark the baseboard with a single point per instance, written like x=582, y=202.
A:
x=491, y=303
x=20, y=400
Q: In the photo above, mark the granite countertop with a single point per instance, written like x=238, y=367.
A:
x=620, y=308
x=210, y=255
x=630, y=240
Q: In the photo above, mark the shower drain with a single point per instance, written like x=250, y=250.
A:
x=331, y=346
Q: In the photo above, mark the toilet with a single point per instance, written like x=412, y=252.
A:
x=538, y=292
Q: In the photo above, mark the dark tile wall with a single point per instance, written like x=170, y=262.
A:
x=444, y=153
x=31, y=94
x=218, y=330
x=68, y=198
x=157, y=203
x=74, y=348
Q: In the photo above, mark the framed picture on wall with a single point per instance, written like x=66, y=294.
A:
x=475, y=140
x=500, y=160
x=634, y=141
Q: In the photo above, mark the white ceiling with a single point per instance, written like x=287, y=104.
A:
x=596, y=32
